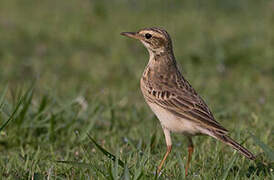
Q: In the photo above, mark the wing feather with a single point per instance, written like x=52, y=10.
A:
x=173, y=93
x=186, y=105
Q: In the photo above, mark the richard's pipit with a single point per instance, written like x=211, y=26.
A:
x=176, y=104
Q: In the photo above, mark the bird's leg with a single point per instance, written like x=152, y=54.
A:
x=190, y=151
x=169, y=147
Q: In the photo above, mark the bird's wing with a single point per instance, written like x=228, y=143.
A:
x=184, y=102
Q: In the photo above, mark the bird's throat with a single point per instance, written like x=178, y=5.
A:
x=161, y=60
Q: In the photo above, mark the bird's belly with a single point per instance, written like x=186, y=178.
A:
x=174, y=123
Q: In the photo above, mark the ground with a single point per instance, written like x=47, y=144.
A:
x=66, y=72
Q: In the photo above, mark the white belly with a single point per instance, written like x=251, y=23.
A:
x=174, y=123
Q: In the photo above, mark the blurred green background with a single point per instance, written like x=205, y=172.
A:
x=86, y=79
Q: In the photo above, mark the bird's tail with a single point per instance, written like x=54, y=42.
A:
x=227, y=140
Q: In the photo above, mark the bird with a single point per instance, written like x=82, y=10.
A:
x=179, y=108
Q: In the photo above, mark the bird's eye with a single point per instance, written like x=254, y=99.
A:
x=148, y=36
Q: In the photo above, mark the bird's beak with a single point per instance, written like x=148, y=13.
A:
x=133, y=35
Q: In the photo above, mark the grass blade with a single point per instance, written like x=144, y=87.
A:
x=3, y=96
x=126, y=175
x=181, y=164
x=105, y=152
x=83, y=165
x=12, y=115
x=80, y=164
x=269, y=152
x=229, y=167
x=27, y=102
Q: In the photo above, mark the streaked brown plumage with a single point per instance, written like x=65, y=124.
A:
x=170, y=96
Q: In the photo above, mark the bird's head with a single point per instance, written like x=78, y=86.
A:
x=156, y=40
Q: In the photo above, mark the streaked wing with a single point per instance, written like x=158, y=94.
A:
x=185, y=103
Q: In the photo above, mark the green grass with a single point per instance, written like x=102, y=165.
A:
x=66, y=72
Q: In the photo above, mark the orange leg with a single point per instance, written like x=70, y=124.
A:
x=162, y=162
x=169, y=147
x=190, y=152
